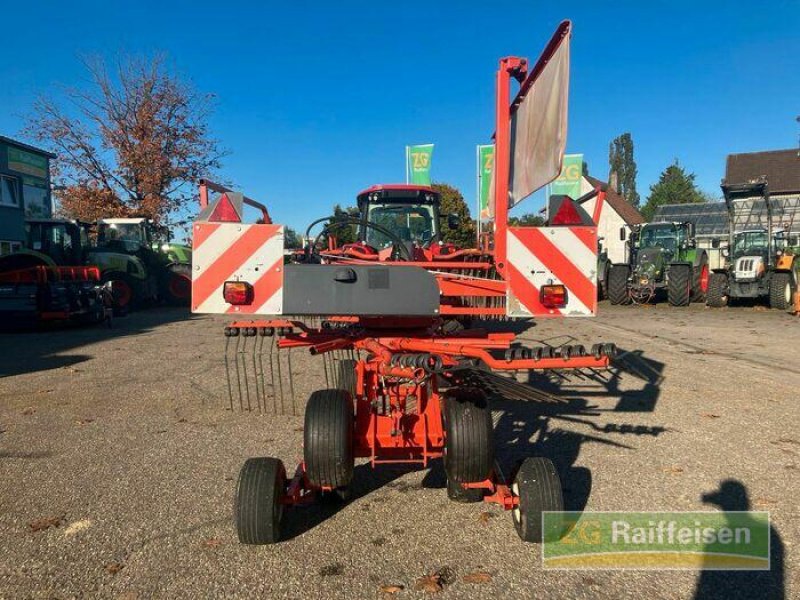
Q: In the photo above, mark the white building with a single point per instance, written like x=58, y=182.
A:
x=615, y=214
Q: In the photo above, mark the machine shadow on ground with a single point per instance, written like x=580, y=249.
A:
x=41, y=349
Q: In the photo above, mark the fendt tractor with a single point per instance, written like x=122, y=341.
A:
x=400, y=388
x=761, y=263
x=143, y=263
x=661, y=257
x=49, y=279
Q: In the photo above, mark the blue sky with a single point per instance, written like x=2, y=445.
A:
x=316, y=101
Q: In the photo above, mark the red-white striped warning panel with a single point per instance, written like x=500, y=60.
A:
x=235, y=252
x=544, y=256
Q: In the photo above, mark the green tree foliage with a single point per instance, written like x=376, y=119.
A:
x=291, y=240
x=674, y=186
x=622, y=167
x=464, y=236
x=527, y=220
x=345, y=234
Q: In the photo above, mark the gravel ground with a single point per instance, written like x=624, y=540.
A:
x=117, y=446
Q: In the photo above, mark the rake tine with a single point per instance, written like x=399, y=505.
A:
x=256, y=342
x=238, y=373
x=280, y=379
x=272, y=375
x=245, y=375
x=228, y=370
x=291, y=381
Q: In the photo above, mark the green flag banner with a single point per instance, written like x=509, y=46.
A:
x=485, y=167
x=568, y=182
x=418, y=164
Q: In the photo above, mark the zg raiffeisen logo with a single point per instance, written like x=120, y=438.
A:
x=670, y=540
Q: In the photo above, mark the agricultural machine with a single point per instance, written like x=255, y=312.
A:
x=49, y=279
x=762, y=262
x=661, y=256
x=142, y=263
x=401, y=387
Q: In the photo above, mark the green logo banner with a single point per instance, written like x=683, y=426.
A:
x=418, y=164
x=485, y=168
x=26, y=162
x=669, y=540
x=568, y=182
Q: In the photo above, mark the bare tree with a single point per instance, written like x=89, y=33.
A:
x=132, y=142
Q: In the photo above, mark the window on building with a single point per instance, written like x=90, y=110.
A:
x=9, y=191
x=7, y=247
x=34, y=191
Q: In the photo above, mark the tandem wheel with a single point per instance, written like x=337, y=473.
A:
x=258, y=505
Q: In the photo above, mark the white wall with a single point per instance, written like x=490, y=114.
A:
x=608, y=227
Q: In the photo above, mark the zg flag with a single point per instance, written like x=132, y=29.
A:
x=418, y=164
x=568, y=182
x=485, y=168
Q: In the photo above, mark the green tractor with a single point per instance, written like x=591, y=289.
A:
x=762, y=263
x=143, y=263
x=661, y=256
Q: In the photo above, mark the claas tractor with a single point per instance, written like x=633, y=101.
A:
x=137, y=256
x=762, y=263
x=400, y=388
x=662, y=257
x=49, y=280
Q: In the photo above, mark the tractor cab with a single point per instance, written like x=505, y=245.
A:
x=666, y=236
x=755, y=243
x=399, y=213
x=64, y=241
x=128, y=235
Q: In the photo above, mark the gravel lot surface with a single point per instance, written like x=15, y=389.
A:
x=118, y=462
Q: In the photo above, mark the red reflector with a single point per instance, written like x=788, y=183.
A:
x=237, y=292
x=224, y=211
x=567, y=214
x=553, y=296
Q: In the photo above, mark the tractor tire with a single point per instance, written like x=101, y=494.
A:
x=717, y=295
x=679, y=286
x=468, y=437
x=257, y=505
x=538, y=488
x=346, y=376
x=781, y=291
x=456, y=493
x=602, y=284
x=700, y=280
x=177, y=287
x=123, y=291
x=328, y=438
x=618, y=284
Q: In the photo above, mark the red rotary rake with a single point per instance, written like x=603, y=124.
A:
x=402, y=390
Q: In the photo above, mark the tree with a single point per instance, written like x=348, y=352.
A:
x=344, y=234
x=622, y=168
x=291, y=240
x=452, y=202
x=131, y=143
x=527, y=220
x=674, y=186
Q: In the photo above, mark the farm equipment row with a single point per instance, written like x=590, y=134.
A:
x=132, y=258
x=391, y=317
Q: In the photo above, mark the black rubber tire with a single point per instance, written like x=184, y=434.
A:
x=456, y=493
x=698, y=295
x=679, y=286
x=781, y=290
x=328, y=438
x=539, y=489
x=132, y=299
x=717, y=295
x=182, y=294
x=618, y=284
x=346, y=376
x=468, y=436
x=257, y=506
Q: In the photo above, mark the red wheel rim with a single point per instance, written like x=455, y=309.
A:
x=122, y=292
x=704, y=279
x=180, y=286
